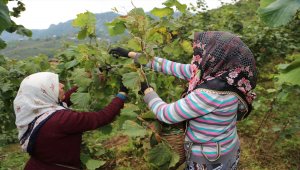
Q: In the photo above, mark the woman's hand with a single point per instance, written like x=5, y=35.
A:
x=117, y=52
x=123, y=88
x=145, y=88
x=122, y=92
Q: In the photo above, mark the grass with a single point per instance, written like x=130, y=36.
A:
x=12, y=157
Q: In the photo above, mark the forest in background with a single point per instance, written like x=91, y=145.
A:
x=270, y=136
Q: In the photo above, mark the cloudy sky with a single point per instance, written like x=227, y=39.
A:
x=40, y=14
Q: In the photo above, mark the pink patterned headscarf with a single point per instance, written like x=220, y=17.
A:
x=223, y=55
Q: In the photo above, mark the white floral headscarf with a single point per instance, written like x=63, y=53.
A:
x=36, y=100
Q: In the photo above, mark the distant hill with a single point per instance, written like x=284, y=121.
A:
x=64, y=29
x=49, y=41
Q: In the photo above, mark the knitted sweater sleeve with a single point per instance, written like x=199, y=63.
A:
x=197, y=103
x=76, y=122
x=183, y=71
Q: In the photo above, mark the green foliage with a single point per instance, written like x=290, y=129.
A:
x=116, y=27
x=178, y=5
x=11, y=157
x=5, y=21
x=12, y=73
x=132, y=80
x=81, y=100
x=162, y=157
x=162, y=12
x=7, y=24
x=289, y=73
x=87, y=24
x=133, y=129
x=80, y=77
x=268, y=136
x=92, y=164
x=279, y=12
x=31, y=48
x=168, y=10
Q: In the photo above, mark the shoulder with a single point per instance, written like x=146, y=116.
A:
x=221, y=96
x=63, y=115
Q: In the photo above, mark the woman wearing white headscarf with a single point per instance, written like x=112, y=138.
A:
x=49, y=131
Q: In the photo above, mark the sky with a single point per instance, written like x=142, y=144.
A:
x=40, y=14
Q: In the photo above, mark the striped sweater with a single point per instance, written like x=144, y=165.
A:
x=212, y=117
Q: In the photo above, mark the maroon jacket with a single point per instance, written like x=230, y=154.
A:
x=58, y=140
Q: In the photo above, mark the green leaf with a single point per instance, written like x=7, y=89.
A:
x=174, y=160
x=135, y=44
x=6, y=87
x=282, y=66
x=116, y=27
x=279, y=12
x=129, y=110
x=148, y=115
x=93, y=164
x=159, y=156
x=289, y=73
x=175, y=48
x=81, y=100
x=84, y=19
x=131, y=80
x=23, y=31
x=156, y=38
x=290, y=77
x=127, y=113
x=5, y=20
x=187, y=47
x=153, y=141
x=295, y=63
x=137, y=11
x=133, y=129
x=142, y=59
x=71, y=64
x=107, y=129
x=84, y=158
x=168, y=49
x=87, y=23
x=265, y=3
x=179, y=6
x=283, y=96
x=80, y=78
x=162, y=12
x=82, y=34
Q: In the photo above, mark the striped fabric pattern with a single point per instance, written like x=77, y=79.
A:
x=212, y=117
x=183, y=71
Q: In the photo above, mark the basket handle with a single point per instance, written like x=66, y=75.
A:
x=218, y=152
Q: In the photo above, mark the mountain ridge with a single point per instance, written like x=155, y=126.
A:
x=63, y=29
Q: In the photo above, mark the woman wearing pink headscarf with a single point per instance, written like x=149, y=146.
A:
x=221, y=78
x=48, y=130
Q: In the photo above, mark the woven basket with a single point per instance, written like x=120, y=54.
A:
x=176, y=142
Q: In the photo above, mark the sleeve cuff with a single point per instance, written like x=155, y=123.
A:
x=121, y=96
x=136, y=57
x=149, y=96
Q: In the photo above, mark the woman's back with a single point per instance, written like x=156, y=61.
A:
x=215, y=128
x=54, y=146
